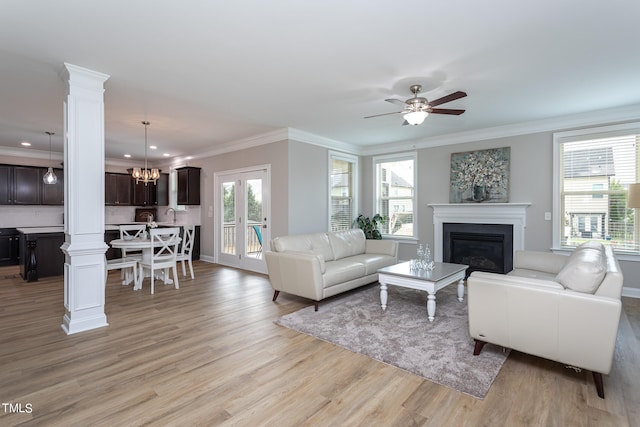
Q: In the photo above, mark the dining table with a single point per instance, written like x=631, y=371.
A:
x=144, y=244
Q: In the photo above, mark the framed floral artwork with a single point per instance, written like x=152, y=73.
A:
x=480, y=176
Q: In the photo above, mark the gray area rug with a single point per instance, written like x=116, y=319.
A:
x=402, y=336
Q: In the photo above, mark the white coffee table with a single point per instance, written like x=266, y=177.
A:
x=431, y=281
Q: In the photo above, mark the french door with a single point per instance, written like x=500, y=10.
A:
x=242, y=218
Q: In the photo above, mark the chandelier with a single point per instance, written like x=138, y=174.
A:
x=50, y=178
x=145, y=175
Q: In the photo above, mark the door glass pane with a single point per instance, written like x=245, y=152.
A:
x=229, y=217
x=254, y=218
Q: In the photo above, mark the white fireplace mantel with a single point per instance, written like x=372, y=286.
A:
x=479, y=213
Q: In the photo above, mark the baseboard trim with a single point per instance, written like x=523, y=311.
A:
x=208, y=259
x=631, y=292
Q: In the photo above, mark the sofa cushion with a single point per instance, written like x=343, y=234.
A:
x=547, y=262
x=373, y=262
x=341, y=271
x=532, y=274
x=317, y=243
x=347, y=243
x=585, y=269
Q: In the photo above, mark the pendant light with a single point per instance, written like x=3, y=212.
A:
x=50, y=177
x=145, y=175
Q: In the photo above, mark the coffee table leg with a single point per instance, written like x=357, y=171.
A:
x=461, y=290
x=383, y=296
x=431, y=306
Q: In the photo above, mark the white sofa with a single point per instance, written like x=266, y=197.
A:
x=320, y=265
x=565, y=309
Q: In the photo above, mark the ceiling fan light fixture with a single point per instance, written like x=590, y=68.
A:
x=416, y=117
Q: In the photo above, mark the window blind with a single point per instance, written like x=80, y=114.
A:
x=594, y=180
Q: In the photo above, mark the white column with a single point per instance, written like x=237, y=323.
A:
x=84, y=247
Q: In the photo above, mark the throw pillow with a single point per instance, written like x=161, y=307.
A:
x=585, y=269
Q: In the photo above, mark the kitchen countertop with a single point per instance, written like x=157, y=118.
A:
x=107, y=227
x=41, y=230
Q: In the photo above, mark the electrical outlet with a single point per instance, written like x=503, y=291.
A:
x=547, y=216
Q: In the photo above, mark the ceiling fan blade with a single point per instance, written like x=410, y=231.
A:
x=396, y=101
x=451, y=97
x=446, y=111
x=384, y=114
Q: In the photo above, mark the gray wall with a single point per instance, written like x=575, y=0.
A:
x=308, y=188
x=275, y=154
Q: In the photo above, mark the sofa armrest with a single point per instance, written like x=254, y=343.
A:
x=539, y=261
x=297, y=273
x=588, y=328
x=383, y=247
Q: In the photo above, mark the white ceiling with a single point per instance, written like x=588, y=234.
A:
x=206, y=73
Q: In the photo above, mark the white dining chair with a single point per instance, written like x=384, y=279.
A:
x=184, y=256
x=164, y=250
x=132, y=231
x=128, y=266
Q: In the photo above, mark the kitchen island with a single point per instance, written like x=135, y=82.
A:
x=40, y=253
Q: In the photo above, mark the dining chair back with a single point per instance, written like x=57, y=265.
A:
x=164, y=250
x=186, y=249
x=132, y=231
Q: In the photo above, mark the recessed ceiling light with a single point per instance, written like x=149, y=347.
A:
x=127, y=155
x=153, y=147
x=166, y=154
x=25, y=143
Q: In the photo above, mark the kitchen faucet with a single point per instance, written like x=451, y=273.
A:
x=149, y=217
x=174, y=213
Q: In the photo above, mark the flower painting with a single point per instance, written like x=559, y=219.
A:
x=480, y=176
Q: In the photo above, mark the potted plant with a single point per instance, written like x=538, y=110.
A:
x=370, y=225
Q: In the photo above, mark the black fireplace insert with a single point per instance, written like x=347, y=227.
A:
x=483, y=247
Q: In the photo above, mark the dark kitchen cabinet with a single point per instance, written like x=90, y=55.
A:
x=26, y=185
x=117, y=189
x=53, y=194
x=9, y=253
x=112, y=252
x=162, y=190
x=6, y=185
x=188, y=185
x=144, y=194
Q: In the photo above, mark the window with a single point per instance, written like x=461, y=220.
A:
x=173, y=191
x=396, y=193
x=593, y=169
x=342, y=194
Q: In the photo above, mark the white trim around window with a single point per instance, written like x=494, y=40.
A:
x=613, y=174
x=378, y=197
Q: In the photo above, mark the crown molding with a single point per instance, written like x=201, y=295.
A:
x=592, y=118
x=29, y=153
x=310, y=138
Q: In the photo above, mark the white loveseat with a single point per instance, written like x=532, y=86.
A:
x=565, y=309
x=320, y=265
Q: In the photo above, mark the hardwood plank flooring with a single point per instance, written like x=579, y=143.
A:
x=210, y=354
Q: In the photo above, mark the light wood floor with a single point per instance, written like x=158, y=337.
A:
x=210, y=354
